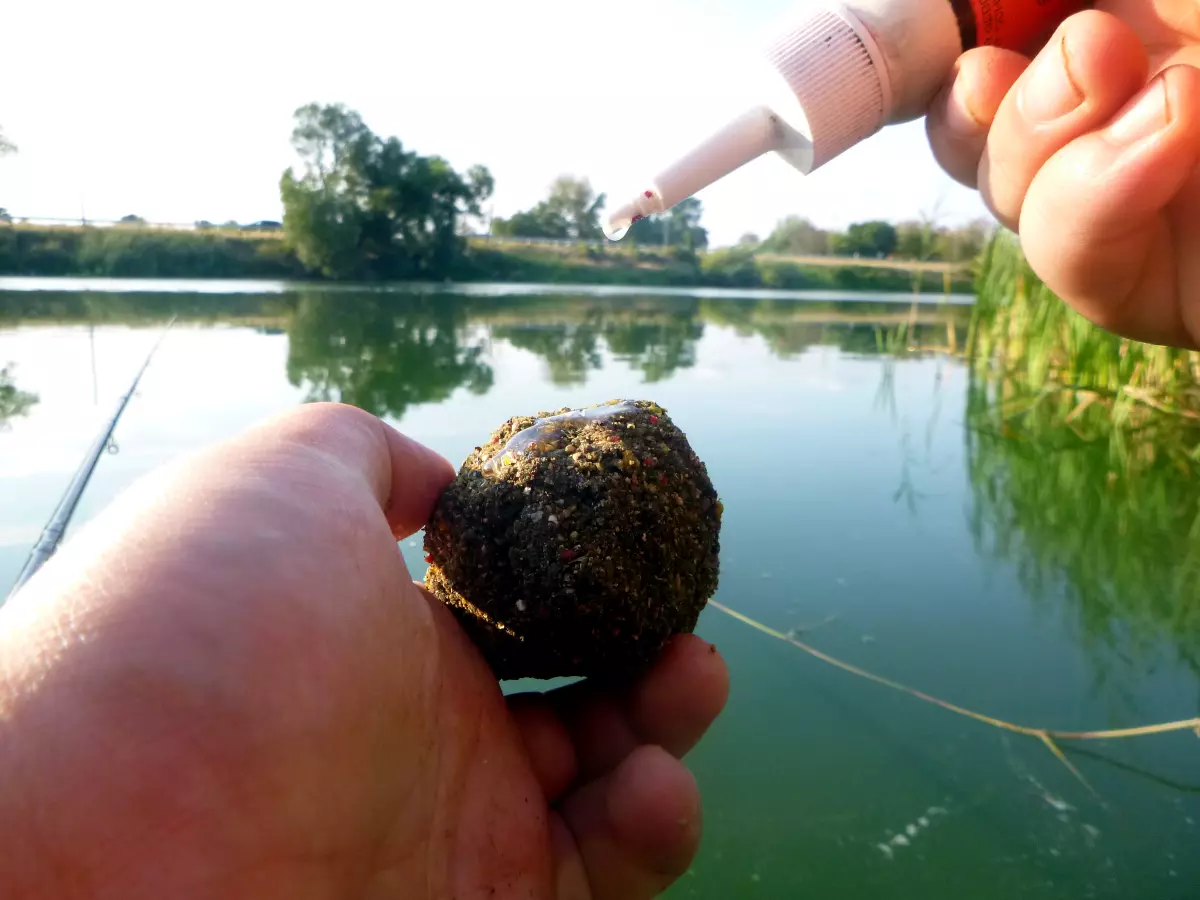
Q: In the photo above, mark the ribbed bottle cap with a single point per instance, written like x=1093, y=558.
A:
x=831, y=65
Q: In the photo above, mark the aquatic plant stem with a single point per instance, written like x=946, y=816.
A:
x=1054, y=748
x=1046, y=736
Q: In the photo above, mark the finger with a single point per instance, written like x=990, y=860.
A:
x=570, y=874
x=672, y=706
x=635, y=830
x=1087, y=71
x=547, y=743
x=418, y=477
x=1096, y=225
x=961, y=115
x=675, y=708
x=404, y=476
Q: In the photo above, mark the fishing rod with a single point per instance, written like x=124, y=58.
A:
x=53, y=533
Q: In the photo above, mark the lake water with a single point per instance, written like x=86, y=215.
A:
x=871, y=503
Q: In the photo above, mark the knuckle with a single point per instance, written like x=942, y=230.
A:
x=308, y=421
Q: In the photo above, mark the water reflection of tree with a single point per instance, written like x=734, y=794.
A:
x=656, y=345
x=657, y=349
x=569, y=350
x=141, y=308
x=384, y=352
x=14, y=403
x=791, y=328
x=1101, y=509
x=660, y=337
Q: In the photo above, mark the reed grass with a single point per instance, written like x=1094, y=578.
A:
x=1084, y=459
x=1020, y=327
x=1083, y=452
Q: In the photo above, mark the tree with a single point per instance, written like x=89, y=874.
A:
x=866, y=239
x=364, y=206
x=915, y=240
x=570, y=212
x=677, y=227
x=574, y=201
x=924, y=240
x=966, y=243
x=921, y=239
x=534, y=223
x=794, y=236
x=484, y=185
x=6, y=146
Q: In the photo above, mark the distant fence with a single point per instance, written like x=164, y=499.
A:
x=262, y=227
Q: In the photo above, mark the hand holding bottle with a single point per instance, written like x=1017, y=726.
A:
x=1089, y=152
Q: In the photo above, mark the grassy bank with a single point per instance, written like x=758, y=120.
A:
x=624, y=264
x=129, y=252
x=134, y=252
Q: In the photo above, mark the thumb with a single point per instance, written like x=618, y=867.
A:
x=1111, y=222
x=403, y=476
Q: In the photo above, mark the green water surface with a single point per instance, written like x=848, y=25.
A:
x=868, y=489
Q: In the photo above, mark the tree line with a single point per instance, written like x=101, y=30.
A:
x=361, y=206
x=916, y=239
x=572, y=211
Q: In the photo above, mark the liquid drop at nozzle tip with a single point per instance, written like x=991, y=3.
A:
x=617, y=224
x=615, y=229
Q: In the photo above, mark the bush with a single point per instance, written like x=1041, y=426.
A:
x=735, y=267
x=131, y=252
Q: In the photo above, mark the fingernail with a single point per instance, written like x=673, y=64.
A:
x=1048, y=91
x=959, y=119
x=1145, y=115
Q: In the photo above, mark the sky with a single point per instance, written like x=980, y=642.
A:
x=181, y=112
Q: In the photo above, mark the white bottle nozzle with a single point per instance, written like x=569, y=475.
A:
x=825, y=90
x=752, y=134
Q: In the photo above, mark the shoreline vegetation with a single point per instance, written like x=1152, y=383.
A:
x=142, y=251
x=360, y=207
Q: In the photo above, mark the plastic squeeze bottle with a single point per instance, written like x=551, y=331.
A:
x=835, y=74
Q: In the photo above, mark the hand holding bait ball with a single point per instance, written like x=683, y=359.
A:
x=578, y=543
